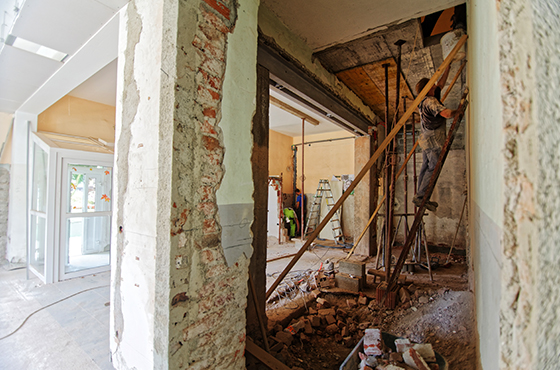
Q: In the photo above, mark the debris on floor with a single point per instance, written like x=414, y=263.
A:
x=324, y=322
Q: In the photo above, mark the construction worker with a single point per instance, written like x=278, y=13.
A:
x=301, y=202
x=291, y=222
x=433, y=116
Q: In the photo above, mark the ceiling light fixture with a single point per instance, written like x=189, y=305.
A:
x=34, y=48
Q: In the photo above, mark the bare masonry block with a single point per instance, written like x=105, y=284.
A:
x=357, y=269
x=347, y=282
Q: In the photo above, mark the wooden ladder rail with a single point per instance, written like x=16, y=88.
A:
x=369, y=164
x=420, y=213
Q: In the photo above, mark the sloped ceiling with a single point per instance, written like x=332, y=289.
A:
x=63, y=25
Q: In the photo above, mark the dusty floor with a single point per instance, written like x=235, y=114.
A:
x=439, y=312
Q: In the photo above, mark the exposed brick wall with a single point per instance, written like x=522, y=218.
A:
x=208, y=298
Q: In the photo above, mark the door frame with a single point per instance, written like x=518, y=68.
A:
x=79, y=158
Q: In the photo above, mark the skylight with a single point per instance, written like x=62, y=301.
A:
x=34, y=48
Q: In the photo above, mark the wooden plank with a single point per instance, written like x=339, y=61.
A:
x=288, y=108
x=368, y=82
x=266, y=358
x=361, y=84
x=369, y=164
x=377, y=74
x=281, y=257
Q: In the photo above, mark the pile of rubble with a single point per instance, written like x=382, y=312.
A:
x=324, y=320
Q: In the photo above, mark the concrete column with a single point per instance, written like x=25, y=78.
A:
x=362, y=210
x=17, y=212
x=181, y=251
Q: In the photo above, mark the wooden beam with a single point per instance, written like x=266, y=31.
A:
x=369, y=164
x=266, y=358
x=288, y=108
x=281, y=257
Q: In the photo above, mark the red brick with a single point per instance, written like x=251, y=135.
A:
x=207, y=97
x=209, y=112
x=211, y=143
x=204, y=78
x=212, y=65
x=207, y=256
x=209, y=226
x=207, y=193
x=216, y=52
x=206, y=127
x=211, y=18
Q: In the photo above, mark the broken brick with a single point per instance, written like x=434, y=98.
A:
x=327, y=311
x=284, y=337
x=414, y=360
x=333, y=328
x=396, y=357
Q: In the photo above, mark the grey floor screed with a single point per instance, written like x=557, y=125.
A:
x=72, y=334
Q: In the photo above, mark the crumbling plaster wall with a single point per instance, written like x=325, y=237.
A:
x=529, y=71
x=183, y=129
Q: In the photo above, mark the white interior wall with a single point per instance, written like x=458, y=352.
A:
x=485, y=169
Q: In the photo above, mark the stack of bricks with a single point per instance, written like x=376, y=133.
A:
x=351, y=275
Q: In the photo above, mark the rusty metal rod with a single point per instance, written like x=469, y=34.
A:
x=388, y=160
x=405, y=176
x=368, y=165
x=376, y=212
x=302, y=194
x=456, y=231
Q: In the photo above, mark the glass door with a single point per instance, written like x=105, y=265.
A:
x=85, y=221
x=37, y=246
